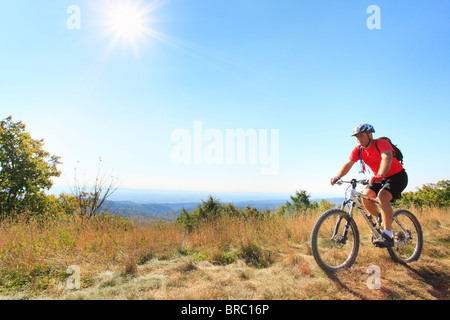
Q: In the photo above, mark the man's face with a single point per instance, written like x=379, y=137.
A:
x=363, y=138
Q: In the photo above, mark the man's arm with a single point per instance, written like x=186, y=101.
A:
x=385, y=166
x=386, y=161
x=344, y=170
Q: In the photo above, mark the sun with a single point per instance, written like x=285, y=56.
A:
x=131, y=24
x=127, y=21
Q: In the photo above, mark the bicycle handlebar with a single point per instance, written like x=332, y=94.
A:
x=353, y=182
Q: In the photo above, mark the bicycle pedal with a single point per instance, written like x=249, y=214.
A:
x=376, y=244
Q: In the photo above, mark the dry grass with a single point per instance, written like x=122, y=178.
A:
x=224, y=259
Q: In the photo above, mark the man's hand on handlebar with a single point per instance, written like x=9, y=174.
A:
x=375, y=179
x=334, y=180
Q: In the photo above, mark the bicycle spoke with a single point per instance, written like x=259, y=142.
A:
x=407, y=237
x=333, y=246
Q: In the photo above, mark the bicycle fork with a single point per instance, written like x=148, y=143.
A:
x=346, y=227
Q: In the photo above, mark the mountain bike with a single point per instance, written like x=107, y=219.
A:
x=335, y=237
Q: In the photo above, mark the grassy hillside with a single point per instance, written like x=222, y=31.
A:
x=229, y=258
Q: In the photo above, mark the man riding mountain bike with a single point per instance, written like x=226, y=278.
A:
x=389, y=179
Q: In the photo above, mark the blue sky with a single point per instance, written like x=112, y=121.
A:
x=310, y=69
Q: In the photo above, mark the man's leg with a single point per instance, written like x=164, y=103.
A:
x=369, y=205
x=386, y=240
x=387, y=213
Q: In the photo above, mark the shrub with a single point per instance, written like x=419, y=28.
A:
x=212, y=209
x=429, y=195
x=254, y=255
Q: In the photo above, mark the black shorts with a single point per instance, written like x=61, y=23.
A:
x=395, y=184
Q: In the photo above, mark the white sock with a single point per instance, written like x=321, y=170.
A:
x=387, y=232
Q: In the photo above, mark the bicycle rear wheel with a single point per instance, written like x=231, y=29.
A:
x=335, y=240
x=407, y=236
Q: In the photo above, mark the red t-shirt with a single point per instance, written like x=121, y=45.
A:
x=372, y=157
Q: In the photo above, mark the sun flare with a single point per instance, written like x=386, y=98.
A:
x=130, y=23
x=126, y=21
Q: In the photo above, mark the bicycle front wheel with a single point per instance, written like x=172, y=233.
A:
x=335, y=240
x=407, y=236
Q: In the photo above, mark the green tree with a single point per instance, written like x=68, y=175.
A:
x=300, y=201
x=186, y=219
x=430, y=195
x=211, y=208
x=26, y=169
x=326, y=205
x=208, y=210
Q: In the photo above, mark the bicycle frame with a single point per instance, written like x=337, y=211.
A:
x=354, y=201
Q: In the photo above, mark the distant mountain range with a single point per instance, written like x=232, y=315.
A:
x=168, y=211
x=172, y=210
x=167, y=204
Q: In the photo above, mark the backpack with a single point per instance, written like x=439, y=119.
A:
x=397, y=152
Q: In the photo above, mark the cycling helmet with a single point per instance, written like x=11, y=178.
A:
x=363, y=128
